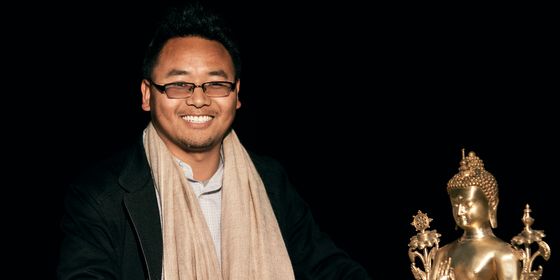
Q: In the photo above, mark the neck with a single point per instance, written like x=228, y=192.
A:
x=203, y=164
x=477, y=233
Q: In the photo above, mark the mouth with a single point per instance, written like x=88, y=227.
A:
x=197, y=118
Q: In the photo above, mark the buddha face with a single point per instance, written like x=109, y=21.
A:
x=471, y=209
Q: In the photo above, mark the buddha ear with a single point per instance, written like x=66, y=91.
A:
x=493, y=216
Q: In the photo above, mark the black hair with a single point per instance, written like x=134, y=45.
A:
x=191, y=20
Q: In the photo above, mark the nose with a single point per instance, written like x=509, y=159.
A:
x=461, y=210
x=198, y=99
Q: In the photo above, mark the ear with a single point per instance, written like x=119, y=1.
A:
x=146, y=91
x=493, y=216
x=237, y=87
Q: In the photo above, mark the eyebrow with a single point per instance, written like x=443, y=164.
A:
x=177, y=72
x=458, y=198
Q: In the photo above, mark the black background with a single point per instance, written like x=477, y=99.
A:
x=366, y=106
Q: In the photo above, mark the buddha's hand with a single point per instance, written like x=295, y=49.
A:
x=418, y=273
x=445, y=271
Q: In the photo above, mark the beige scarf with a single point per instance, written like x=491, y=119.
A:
x=252, y=245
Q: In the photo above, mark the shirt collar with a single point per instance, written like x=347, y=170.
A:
x=213, y=184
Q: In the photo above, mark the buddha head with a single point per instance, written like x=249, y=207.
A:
x=473, y=193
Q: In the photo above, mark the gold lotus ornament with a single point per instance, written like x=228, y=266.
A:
x=524, y=242
x=423, y=245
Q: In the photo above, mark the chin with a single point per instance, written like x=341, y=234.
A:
x=198, y=149
x=198, y=146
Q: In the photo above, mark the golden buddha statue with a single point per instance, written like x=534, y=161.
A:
x=478, y=253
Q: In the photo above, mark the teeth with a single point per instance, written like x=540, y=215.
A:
x=197, y=119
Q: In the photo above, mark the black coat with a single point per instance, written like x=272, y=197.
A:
x=112, y=226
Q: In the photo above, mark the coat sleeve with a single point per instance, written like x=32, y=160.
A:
x=312, y=252
x=87, y=249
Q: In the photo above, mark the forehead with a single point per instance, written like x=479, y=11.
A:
x=185, y=51
x=470, y=193
x=193, y=44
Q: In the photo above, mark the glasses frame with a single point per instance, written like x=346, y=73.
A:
x=203, y=86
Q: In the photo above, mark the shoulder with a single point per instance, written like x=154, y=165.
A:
x=271, y=170
x=99, y=180
x=96, y=182
x=502, y=248
x=506, y=255
x=274, y=177
x=447, y=248
x=266, y=166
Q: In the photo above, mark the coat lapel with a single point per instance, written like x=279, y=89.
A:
x=141, y=204
x=143, y=210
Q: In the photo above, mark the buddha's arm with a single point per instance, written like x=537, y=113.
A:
x=507, y=267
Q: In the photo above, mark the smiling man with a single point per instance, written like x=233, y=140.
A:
x=187, y=201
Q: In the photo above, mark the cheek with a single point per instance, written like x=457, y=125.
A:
x=164, y=110
x=165, y=105
x=479, y=212
x=230, y=107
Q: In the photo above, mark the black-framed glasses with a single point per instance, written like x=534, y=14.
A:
x=182, y=90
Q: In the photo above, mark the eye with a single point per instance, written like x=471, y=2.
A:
x=179, y=85
x=218, y=85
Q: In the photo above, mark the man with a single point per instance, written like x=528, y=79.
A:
x=187, y=201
